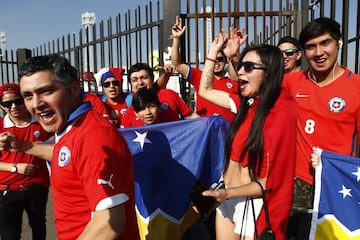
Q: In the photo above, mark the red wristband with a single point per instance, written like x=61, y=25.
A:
x=211, y=59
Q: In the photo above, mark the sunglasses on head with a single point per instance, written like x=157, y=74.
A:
x=221, y=59
x=115, y=83
x=290, y=52
x=17, y=102
x=250, y=66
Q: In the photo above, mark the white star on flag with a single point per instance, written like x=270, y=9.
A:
x=345, y=191
x=141, y=138
x=357, y=174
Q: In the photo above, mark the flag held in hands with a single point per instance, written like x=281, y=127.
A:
x=336, y=213
x=168, y=159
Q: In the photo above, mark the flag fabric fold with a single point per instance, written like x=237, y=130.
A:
x=336, y=212
x=168, y=159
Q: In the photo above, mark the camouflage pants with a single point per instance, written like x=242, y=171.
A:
x=300, y=218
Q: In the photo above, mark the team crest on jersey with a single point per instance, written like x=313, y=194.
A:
x=336, y=104
x=229, y=85
x=164, y=106
x=36, y=133
x=64, y=157
x=122, y=111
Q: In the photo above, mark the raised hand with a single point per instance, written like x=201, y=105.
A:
x=236, y=39
x=218, y=43
x=178, y=29
x=167, y=69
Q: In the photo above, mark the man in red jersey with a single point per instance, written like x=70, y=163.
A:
x=292, y=53
x=24, y=179
x=91, y=170
x=327, y=96
x=172, y=106
x=193, y=75
x=111, y=82
x=96, y=102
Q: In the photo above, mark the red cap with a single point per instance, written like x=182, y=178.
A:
x=9, y=88
x=105, y=73
x=118, y=72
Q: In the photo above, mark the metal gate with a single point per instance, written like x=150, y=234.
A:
x=144, y=34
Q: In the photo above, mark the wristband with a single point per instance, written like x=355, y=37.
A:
x=211, y=59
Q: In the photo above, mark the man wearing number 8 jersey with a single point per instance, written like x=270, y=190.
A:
x=327, y=95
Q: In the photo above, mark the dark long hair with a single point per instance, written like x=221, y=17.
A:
x=269, y=92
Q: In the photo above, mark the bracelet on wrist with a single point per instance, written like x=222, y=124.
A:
x=211, y=59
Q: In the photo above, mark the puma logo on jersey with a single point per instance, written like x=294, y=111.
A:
x=106, y=182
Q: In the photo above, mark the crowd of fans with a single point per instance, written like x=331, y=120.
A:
x=278, y=113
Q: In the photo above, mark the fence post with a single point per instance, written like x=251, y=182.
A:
x=304, y=19
x=171, y=8
x=21, y=55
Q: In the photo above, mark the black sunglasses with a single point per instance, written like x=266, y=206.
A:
x=115, y=83
x=250, y=66
x=221, y=59
x=8, y=104
x=290, y=52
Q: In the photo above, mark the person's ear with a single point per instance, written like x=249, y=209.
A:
x=137, y=114
x=299, y=55
x=75, y=88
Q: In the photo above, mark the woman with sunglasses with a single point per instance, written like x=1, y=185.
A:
x=260, y=146
x=24, y=179
x=292, y=53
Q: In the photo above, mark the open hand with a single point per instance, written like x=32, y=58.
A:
x=236, y=39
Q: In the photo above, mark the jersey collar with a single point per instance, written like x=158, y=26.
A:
x=83, y=108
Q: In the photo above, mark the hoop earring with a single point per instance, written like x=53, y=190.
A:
x=340, y=43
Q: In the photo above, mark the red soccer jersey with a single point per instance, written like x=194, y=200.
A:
x=173, y=108
x=327, y=116
x=279, y=159
x=206, y=108
x=91, y=170
x=31, y=132
x=97, y=104
x=116, y=111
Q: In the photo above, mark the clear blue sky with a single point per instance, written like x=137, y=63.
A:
x=30, y=23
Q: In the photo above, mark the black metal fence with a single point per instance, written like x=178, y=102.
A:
x=143, y=34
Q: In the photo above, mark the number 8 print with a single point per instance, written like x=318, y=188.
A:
x=309, y=126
